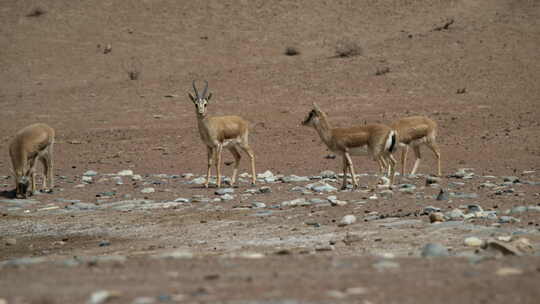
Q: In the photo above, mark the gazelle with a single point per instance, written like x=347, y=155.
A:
x=374, y=140
x=218, y=132
x=413, y=132
x=30, y=144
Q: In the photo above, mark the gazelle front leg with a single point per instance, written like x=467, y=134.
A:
x=218, y=164
x=237, y=158
x=418, y=156
x=211, y=152
x=351, y=168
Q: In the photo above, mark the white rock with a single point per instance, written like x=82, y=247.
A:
x=266, y=174
x=148, y=190
x=347, y=220
x=473, y=241
x=87, y=179
x=125, y=173
x=102, y=296
x=136, y=178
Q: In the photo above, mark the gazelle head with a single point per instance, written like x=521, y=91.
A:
x=22, y=181
x=313, y=116
x=200, y=101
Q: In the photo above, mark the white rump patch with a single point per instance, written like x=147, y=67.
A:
x=388, y=143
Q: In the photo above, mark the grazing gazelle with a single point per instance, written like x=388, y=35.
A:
x=218, y=132
x=30, y=144
x=413, y=132
x=374, y=140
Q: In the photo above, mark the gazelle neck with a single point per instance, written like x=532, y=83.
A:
x=324, y=130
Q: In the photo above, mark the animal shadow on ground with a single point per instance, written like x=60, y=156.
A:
x=8, y=194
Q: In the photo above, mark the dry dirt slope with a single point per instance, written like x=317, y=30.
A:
x=55, y=63
x=53, y=69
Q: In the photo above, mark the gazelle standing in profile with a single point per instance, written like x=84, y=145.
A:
x=375, y=140
x=30, y=144
x=414, y=132
x=218, y=132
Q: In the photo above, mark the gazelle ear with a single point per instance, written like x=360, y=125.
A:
x=316, y=107
x=209, y=96
x=191, y=97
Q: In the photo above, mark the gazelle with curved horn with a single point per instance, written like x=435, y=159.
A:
x=376, y=140
x=218, y=132
x=30, y=144
x=414, y=132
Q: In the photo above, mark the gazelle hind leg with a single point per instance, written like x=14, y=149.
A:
x=45, y=164
x=345, y=171
x=351, y=168
x=251, y=155
x=418, y=156
x=435, y=148
x=237, y=158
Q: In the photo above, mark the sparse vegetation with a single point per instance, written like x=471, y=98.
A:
x=382, y=71
x=36, y=12
x=348, y=48
x=291, y=51
x=133, y=68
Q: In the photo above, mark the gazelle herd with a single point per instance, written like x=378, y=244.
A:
x=379, y=141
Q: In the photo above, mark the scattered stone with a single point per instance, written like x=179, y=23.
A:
x=352, y=237
x=386, y=194
x=23, y=261
x=517, y=247
x=488, y=185
x=223, y=191
x=386, y=264
x=90, y=173
x=347, y=220
x=148, y=190
x=508, y=219
x=265, y=189
x=328, y=174
x=455, y=215
x=431, y=209
x=257, y=205
x=226, y=197
x=474, y=208
x=518, y=209
x=176, y=254
x=508, y=271
x=505, y=238
x=295, y=202
x=463, y=195
x=462, y=174
x=430, y=180
x=321, y=187
x=294, y=179
x=443, y=195
x=436, y=217
x=104, y=243
x=86, y=179
x=181, y=200
x=318, y=201
x=198, y=181
x=125, y=173
x=117, y=180
x=266, y=174
x=325, y=248
x=102, y=296
x=511, y=179
x=11, y=242
x=434, y=250
x=144, y=300
x=473, y=241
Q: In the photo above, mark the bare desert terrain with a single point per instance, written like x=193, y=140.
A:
x=130, y=222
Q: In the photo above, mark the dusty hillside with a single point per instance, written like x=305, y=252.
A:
x=471, y=65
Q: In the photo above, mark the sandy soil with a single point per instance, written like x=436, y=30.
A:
x=55, y=69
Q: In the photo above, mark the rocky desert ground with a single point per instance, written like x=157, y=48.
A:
x=129, y=220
